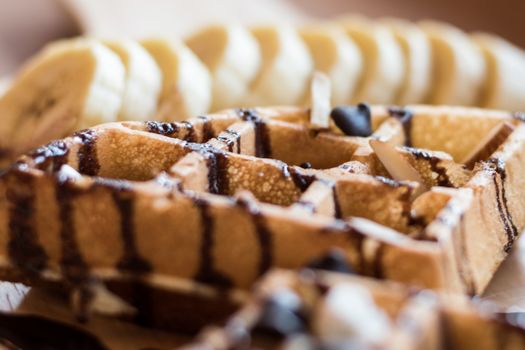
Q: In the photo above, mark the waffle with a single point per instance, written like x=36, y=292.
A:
x=177, y=220
x=311, y=310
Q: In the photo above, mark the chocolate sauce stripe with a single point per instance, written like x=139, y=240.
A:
x=497, y=167
x=337, y=207
x=131, y=259
x=162, y=128
x=72, y=263
x=261, y=133
x=190, y=131
x=264, y=235
x=207, y=128
x=87, y=153
x=207, y=272
x=24, y=250
x=443, y=178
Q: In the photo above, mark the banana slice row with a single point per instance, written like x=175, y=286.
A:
x=77, y=83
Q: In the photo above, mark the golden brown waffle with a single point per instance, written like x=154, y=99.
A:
x=194, y=212
x=311, y=310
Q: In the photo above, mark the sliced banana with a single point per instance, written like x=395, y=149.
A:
x=336, y=55
x=68, y=86
x=459, y=67
x=415, y=46
x=505, y=84
x=232, y=55
x=143, y=80
x=186, y=85
x=383, y=60
x=286, y=68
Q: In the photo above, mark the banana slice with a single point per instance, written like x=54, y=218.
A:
x=186, y=85
x=286, y=68
x=505, y=83
x=415, y=46
x=459, y=68
x=336, y=55
x=232, y=55
x=70, y=85
x=384, y=67
x=143, y=80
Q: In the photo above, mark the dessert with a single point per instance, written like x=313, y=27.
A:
x=459, y=69
x=139, y=213
x=186, y=83
x=68, y=86
x=234, y=59
x=383, y=69
x=224, y=66
x=417, y=54
x=143, y=80
x=503, y=87
x=313, y=309
x=286, y=68
x=336, y=55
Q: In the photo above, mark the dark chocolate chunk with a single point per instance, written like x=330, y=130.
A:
x=333, y=261
x=353, y=121
x=281, y=316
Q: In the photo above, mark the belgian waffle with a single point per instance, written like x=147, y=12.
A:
x=312, y=310
x=196, y=211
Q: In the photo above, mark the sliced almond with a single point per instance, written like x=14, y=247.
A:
x=397, y=166
x=489, y=144
x=320, y=94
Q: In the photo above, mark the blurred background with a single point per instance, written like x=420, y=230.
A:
x=26, y=25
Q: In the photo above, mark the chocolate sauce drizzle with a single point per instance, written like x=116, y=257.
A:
x=233, y=138
x=51, y=156
x=207, y=272
x=207, y=129
x=262, y=137
x=190, y=131
x=162, y=128
x=337, y=207
x=405, y=118
x=497, y=166
x=73, y=266
x=123, y=198
x=217, y=164
x=37, y=333
x=264, y=235
x=301, y=181
x=87, y=153
x=24, y=250
x=443, y=179
x=355, y=236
